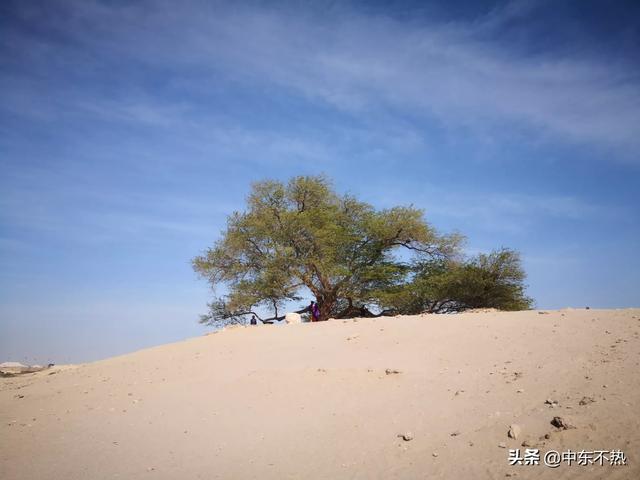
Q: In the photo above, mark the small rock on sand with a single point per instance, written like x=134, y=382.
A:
x=292, y=317
x=586, y=400
x=502, y=445
x=391, y=371
x=514, y=431
x=406, y=436
x=561, y=423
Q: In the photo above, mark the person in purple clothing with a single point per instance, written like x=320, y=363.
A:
x=315, y=311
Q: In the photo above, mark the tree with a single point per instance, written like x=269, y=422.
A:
x=302, y=237
x=493, y=280
x=489, y=280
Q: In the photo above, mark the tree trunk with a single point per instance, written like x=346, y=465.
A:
x=325, y=305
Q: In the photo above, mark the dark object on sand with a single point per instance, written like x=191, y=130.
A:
x=561, y=423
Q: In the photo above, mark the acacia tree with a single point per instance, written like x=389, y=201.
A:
x=303, y=237
x=493, y=280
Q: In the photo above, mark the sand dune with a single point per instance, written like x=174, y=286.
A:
x=333, y=400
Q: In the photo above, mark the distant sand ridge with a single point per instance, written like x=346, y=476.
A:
x=432, y=396
x=12, y=368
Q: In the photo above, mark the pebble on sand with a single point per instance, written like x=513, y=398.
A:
x=561, y=423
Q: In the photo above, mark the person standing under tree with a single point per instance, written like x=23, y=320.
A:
x=315, y=311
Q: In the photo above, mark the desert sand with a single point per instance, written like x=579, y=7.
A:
x=332, y=400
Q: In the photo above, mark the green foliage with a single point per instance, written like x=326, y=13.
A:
x=303, y=235
x=493, y=280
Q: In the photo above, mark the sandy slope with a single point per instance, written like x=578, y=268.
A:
x=314, y=401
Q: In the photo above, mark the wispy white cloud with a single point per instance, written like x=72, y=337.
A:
x=506, y=13
x=503, y=212
x=515, y=213
x=77, y=209
x=360, y=64
x=448, y=72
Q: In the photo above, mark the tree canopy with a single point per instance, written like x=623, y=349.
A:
x=302, y=239
x=493, y=280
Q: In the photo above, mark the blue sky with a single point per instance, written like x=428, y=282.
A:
x=128, y=131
